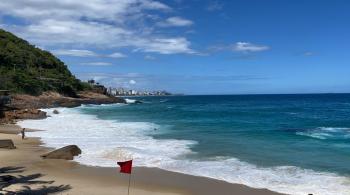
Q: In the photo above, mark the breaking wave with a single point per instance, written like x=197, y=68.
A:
x=327, y=133
x=104, y=142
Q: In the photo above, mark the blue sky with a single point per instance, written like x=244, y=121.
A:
x=194, y=46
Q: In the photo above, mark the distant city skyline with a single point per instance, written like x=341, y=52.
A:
x=192, y=46
x=120, y=91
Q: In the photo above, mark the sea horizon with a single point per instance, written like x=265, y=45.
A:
x=316, y=93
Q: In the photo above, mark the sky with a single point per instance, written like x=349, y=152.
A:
x=194, y=46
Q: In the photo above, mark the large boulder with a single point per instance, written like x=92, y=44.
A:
x=7, y=144
x=66, y=153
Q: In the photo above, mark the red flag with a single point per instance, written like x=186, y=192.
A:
x=126, y=166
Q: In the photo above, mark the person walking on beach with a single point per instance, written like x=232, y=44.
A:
x=23, y=133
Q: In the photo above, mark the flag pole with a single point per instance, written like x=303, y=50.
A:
x=126, y=167
x=130, y=178
x=129, y=183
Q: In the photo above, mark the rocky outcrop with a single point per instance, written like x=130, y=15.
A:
x=25, y=106
x=13, y=115
x=66, y=153
x=53, y=99
x=7, y=144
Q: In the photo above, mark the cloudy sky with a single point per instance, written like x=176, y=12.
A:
x=194, y=46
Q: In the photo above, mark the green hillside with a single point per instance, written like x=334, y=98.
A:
x=27, y=69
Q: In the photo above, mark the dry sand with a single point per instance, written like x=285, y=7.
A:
x=67, y=177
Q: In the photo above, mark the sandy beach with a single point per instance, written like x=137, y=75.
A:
x=36, y=175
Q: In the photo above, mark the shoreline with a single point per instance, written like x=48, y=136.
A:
x=83, y=179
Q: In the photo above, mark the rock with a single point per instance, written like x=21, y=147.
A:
x=24, y=106
x=56, y=112
x=7, y=143
x=25, y=114
x=67, y=153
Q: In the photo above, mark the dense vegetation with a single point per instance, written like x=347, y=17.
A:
x=27, y=69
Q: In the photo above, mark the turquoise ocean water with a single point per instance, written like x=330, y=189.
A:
x=295, y=144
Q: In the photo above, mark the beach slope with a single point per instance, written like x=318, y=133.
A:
x=31, y=173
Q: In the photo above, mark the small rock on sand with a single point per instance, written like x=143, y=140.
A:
x=7, y=144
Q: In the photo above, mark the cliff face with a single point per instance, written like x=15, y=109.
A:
x=27, y=69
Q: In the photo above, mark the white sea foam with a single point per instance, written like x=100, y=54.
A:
x=163, y=100
x=130, y=101
x=327, y=133
x=99, y=139
x=103, y=142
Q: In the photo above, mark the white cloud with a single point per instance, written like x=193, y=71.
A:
x=215, y=6
x=148, y=4
x=249, y=47
x=167, y=46
x=93, y=23
x=96, y=64
x=117, y=55
x=110, y=10
x=132, y=82
x=240, y=47
x=308, y=53
x=149, y=57
x=127, y=80
x=75, y=53
x=175, y=21
x=85, y=53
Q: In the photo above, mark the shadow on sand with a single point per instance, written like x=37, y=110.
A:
x=7, y=180
x=11, y=170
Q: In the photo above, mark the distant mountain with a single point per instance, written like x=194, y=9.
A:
x=27, y=69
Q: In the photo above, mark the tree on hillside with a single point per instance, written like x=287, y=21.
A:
x=25, y=68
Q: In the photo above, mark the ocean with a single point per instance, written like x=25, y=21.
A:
x=294, y=144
